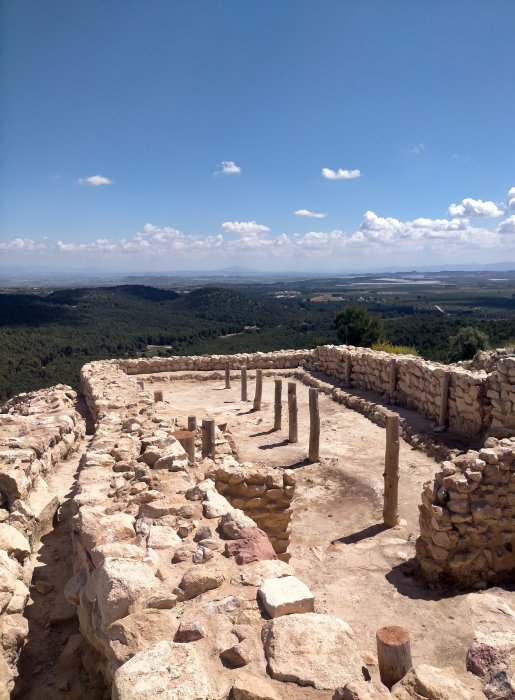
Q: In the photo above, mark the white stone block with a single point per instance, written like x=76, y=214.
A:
x=285, y=596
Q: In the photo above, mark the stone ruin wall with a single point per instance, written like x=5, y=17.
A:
x=161, y=558
x=38, y=431
x=165, y=551
x=467, y=518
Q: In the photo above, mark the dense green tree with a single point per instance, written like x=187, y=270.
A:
x=357, y=326
x=466, y=342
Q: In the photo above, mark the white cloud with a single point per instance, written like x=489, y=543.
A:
x=227, y=167
x=511, y=198
x=94, y=181
x=475, y=207
x=414, y=149
x=340, y=174
x=244, y=228
x=312, y=214
x=24, y=245
x=507, y=226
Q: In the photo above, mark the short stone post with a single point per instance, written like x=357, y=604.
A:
x=314, y=426
x=141, y=385
x=391, y=471
x=192, y=423
x=158, y=396
x=278, y=407
x=444, y=400
x=208, y=438
x=348, y=369
x=293, y=433
x=393, y=654
x=392, y=379
x=227, y=375
x=259, y=390
x=187, y=440
x=244, y=383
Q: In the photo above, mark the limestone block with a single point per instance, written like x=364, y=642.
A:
x=256, y=572
x=248, y=686
x=168, y=670
x=425, y=682
x=289, y=642
x=198, y=580
x=163, y=537
x=96, y=527
x=120, y=582
x=285, y=596
x=233, y=522
x=13, y=542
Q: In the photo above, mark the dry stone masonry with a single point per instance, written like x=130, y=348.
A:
x=38, y=431
x=181, y=578
x=467, y=518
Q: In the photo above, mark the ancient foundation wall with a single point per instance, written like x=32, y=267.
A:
x=414, y=383
x=170, y=580
x=467, y=518
x=38, y=430
x=263, y=494
x=281, y=359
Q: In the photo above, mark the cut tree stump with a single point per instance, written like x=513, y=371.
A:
x=187, y=440
x=208, y=438
x=393, y=654
x=192, y=423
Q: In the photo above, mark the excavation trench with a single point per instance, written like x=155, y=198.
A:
x=54, y=657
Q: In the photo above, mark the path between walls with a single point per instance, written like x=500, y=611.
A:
x=50, y=664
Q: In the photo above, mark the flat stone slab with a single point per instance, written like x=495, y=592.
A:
x=286, y=596
x=311, y=649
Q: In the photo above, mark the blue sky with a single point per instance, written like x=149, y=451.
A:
x=117, y=117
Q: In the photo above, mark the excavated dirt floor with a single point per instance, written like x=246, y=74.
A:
x=357, y=570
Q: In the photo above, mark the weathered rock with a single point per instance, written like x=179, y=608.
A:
x=289, y=644
x=362, y=690
x=256, y=572
x=120, y=582
x=118, y=550
x=139, y=631
x=13, y=542
x=500, y=687
x=252, y=545
x=163, y=537
x=96, y=527
x=199, y=580
x=285, y=596
x=6, y=679
x=190, y=631
x=248, y=686
x=491, y=652
x=233, y=522
x=167, y=670
x=425, y=682
x=214, y=505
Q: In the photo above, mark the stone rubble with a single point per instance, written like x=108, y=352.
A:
x=38, y=430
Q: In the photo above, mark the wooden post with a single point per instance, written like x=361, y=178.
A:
x=192, y=423
x=187, y=440
x=141, y=385
x=259, y=390
x=444, y=400
x=243, y=383
x=208, y=438
x=392, y=376
x=293, y=433
x=391, y=471
x=393, y=654
x=314, y=426
x=227, y=375
x=348, y=369
x=278, y=407
x=158, y=396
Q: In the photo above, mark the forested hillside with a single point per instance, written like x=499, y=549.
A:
x=46, y=339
